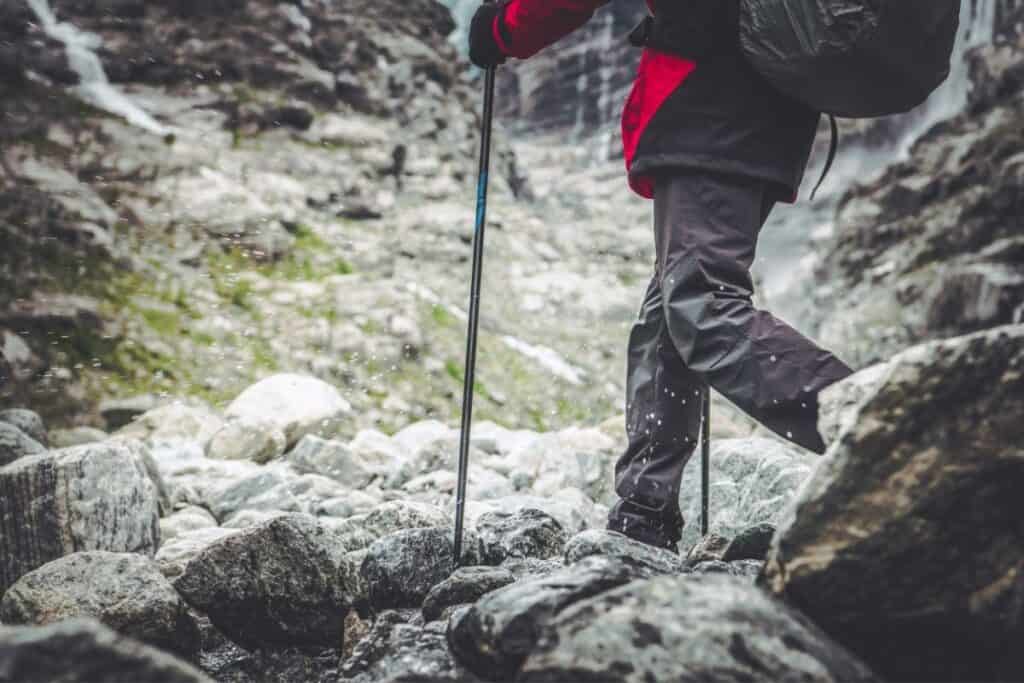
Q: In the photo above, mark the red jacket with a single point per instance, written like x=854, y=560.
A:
x=729, y=119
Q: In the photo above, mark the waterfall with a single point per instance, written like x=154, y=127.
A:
x=93, y=86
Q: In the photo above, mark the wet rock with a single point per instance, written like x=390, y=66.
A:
x=752, y=481
x=173, y=421
x=573, y=509
x=271, y=586
x=465, y=585
x=904, y=545
x=711, y=547
x=228, y=662
x=258, y=440
x=336, y=460
x=126, y=592
x=838, y=404
x=175, y=554
x=527, y=533
x=494, y=636
x=183, y=521
x=15, y=444
x=750, y=544
x=682, y=628
x=28, y=422
x=296, y=404
x=530, y=568
x=400, y=569
x=619, y=546
x=85, y=651
x=395, y=649
x=399, y=515
x=120, y=412
x=92, y=497
x=748, y=569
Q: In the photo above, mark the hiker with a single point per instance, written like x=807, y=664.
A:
x=716, y=147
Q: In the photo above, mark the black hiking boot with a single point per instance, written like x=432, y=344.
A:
x=642, y=525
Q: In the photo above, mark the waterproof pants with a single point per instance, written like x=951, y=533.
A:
x=698, y=326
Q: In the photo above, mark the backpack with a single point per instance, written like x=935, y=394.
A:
x=851, y=58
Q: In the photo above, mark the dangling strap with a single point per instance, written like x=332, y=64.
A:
x=833, y=147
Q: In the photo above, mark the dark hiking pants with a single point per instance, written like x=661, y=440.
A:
x=697, y=325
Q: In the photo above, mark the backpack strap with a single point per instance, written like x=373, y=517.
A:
x=833, y=147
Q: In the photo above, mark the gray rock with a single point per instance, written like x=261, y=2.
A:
x=333, y=459
x=531, y=568
x=265, y=490
x=615, y=545
x=124, y=591
x=494, y=636
x=295, y=404
x=272, y=586
x=687, y=629
x=527, y=533
x=394, y=649
x=839, y=403
x=174, y=556
x=711, y=547
x=173, y=421
x=76, y=436
x=15, y=444
x=92, y=497
x=183, y=521
x=748, y=569
x=750, y=544
x=752, y=481
x=466, y=584
x=85, y=651
x=399, y=515
x=258, y=440
x=400, y=569
x=28, y=422
x=904, y=545
x=120, y=412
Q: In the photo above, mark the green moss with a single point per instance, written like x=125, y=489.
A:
x=161, y=321
x=441, y=316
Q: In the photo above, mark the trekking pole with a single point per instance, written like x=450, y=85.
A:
x=474, y=307
x=705, y=459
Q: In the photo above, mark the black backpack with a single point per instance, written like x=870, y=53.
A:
x=851, y=58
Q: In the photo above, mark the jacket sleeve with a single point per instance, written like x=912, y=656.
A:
x=528, y=26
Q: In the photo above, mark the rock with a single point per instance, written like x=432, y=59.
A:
x=124, y=591
x=748, y=569
x=527, y=533
x=750, y=544
x=173, y=421
x=258, y=440
x=271, y=586
x=85, y=651
x=28, y=422
x=494, y=636
x=183, y=521
x=394, y=650
x=76, y=436
x=175, y=554
x=466, y=584
x=573, y=509
x=295, y=404
x=92, y=497
x=711, y=547
x=400, y=515
x=752, y=481
x=120, y=412
x=904, y=544
x=336, y=460
x=15, y=444
x=400, y=569
x=839, y=402
x=228, y=662
x=619, y=546
x=573, y=458
x=676, y=628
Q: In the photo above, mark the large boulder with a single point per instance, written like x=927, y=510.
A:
x=526, y=533
x=400, y=569
x=93, y=497
x=465, y=585
x=85, y=651
x=679, y=628
x=173, y=421
x=752, y=481
x=906, y=543
x=615, y=545
x=494, y=636
x=274, y=585
x=256, y=439
x=295, y=404
x=124, y=591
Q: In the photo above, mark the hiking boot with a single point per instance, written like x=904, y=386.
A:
x=641, y=525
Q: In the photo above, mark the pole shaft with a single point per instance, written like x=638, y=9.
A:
x=474, y=308
x=705, y=460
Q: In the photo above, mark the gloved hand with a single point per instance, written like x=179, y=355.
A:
x=483, y=48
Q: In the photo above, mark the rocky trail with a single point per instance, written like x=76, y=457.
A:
x=232, y=314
